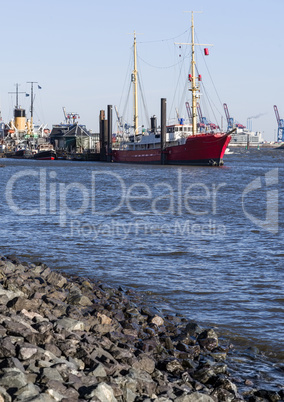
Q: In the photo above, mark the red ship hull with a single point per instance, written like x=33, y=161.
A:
x=49, y=155
x=200, y=149
x=47, y=158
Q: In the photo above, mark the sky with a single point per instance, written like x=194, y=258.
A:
x=80, y=54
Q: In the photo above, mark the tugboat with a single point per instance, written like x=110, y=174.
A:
x=45, y=152
x=23, y=137
x=184, y=145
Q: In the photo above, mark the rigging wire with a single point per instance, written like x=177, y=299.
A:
x=141, y=92
x=143, y=99
x=165, y=40
x=125, y=82
x=213, y=84
x=159, y=67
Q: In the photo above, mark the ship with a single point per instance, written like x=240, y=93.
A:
x=23, y=138
x=244, y=137
x=181, y=144
x=45, y=152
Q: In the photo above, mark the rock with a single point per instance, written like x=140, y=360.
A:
x=104, y=319
x=7, y=348
x=4, y=396
x=22, y=303
x=54, y=394
x=26, y=392
x=49, y=373
x=26, y=351
x=70, y=325
x=157, y=321
x=12, y=362
x=55, y=279
x=145, y=363
x=13, y=378
x=103, y=392
x=10, y=294
x=208, y=339
x=271, y=396
x=144, y=382
x=65, y=339
x=99, y=371
x=195, y=397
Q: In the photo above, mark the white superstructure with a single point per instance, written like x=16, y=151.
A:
x=244, y=137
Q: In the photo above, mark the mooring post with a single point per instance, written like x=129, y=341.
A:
x=163, y=131
x=109, y=133
x=103, y=126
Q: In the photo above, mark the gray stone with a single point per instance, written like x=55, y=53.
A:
x=51, y=374
x=26, y=351
x=145, y=363
x=99, y=371
x=144, y=381
x=20, y=303
x=208, y=339
x=56, y=279
x=7, y=349
x=70, y=325
x=195, y=397
x=85, y=301
x=55, y=395
x=28, y=391
x=104, y=393
x=12, y=362
x=13, y=378
x=4, y=396
x=41, y=398
x=10, y=294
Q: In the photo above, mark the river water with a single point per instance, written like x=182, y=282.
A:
x=201, y=241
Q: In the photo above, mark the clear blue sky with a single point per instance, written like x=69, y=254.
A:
x=79, y=53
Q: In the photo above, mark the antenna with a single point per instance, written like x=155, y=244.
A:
x=17, y=95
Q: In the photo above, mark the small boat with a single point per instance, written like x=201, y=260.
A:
x=228, y=151
x=184, y=144
x=45, y=152
x=20, y=152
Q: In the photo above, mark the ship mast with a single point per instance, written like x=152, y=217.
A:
x=32, y=105
x=194, y=87
x=135, y=92
x=193, y=79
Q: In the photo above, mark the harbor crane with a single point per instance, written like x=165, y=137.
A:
x=70, y=118
x=188, y=109
x=280, y=122
x=230, y=119
x=203, y=122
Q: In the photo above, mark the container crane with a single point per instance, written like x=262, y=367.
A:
x=188, y=109
x=280, y=122
x=70, y=118
x=203, y=122
x=230, y=120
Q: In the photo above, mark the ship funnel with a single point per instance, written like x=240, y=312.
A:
x=20, y=119
x=153, y=124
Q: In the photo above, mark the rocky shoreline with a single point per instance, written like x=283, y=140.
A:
x=72, y=339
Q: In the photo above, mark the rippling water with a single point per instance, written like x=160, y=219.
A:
x=205, y=242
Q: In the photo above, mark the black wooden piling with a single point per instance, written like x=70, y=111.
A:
x=103, y=136
x=109, y=133
x=163, y=131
